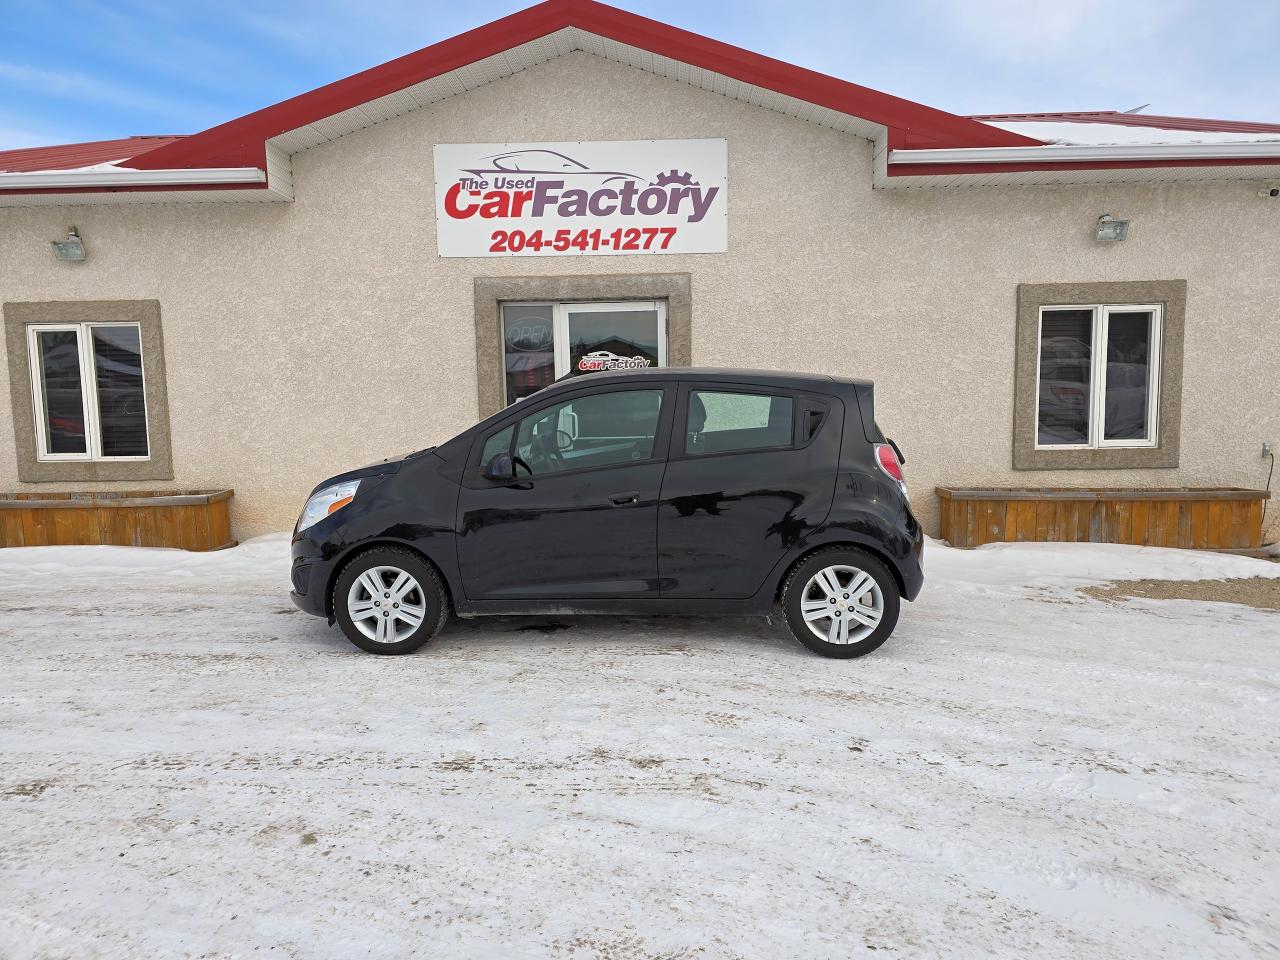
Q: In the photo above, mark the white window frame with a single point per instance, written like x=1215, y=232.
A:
x=1100, y=326
x=560, y=311
x=88, y=393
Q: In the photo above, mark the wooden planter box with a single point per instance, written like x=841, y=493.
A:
x=190, y=520
x=1200, y=518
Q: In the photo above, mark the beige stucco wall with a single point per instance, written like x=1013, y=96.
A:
x=308, y=337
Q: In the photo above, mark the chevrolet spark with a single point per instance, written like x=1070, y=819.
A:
x=661, y=491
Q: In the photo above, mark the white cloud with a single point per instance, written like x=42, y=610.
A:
x=14, y=138
x=70, y=85
x=1030, y=30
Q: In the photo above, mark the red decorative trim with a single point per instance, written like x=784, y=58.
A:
x=140, y=188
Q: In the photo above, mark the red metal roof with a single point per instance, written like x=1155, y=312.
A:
x=242, y=142
x=1137, y=120
x=70, y=156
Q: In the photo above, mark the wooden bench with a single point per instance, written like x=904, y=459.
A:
x=1209, y=518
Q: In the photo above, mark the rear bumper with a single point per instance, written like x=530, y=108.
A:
x=911, y=567
x=913, y=570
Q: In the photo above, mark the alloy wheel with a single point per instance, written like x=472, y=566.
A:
x=842, y=604
x=386, y=604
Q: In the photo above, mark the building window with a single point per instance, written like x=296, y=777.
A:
x=543, y=342
x=1098, y=383
x=89, y=391
x=1098, y=375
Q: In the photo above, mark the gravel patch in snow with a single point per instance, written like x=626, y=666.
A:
x=190, y=768
x=1260, y=592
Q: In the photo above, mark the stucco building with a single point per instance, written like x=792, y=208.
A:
x=371, y=266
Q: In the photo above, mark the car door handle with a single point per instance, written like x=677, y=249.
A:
x=625, y=499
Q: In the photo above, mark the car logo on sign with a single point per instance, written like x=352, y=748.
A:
x=604, y=360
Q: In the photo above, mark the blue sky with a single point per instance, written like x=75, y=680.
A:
x=85, y=70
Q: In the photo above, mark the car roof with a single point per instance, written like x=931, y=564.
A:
x=765, y=378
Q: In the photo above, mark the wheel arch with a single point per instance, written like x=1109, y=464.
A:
x=850, y=544
x=364, y=547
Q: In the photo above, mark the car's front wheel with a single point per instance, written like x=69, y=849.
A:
x=389, y=600
x=841, y=602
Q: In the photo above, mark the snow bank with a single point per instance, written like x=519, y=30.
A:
x=1076, y=564
x=997, y=564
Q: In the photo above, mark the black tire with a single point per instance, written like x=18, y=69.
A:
x=429, y=586
x=793, y=591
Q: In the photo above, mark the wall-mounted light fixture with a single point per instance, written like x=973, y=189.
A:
x=71, y=248
x=1110, y=229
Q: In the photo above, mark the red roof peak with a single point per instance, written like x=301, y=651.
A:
x=241, y=142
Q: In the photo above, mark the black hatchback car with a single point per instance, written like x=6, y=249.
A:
x=662, y=491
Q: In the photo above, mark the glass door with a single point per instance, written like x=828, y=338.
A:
x=545, y=342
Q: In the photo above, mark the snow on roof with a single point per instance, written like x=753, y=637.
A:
x=1110, y=127
x=80, y=156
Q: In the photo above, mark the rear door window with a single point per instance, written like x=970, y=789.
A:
x=724, y=421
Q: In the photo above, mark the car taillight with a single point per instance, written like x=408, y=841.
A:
x=888, y=462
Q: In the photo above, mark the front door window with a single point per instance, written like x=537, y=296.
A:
x=544, y=342
x=597, y=430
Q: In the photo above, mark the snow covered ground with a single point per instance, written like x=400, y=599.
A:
x=189, y=768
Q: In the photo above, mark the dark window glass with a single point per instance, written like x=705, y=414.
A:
x=592, y=431
x=500, y=442
x=122, y=403
x=59, y=354
x=528, y=348
x=720, y=422
x=612, y=339
x=1066, y=338
x=1128, y=366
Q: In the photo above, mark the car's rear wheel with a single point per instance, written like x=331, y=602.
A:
x=389, y=600
x=841, y=602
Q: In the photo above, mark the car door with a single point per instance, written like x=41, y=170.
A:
x=579, y=521
x=751, y=470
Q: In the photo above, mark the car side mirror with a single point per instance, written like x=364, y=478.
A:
x=501, y=469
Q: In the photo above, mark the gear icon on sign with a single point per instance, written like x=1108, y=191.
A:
x=673, y=177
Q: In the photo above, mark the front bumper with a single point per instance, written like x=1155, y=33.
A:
x=310, y=576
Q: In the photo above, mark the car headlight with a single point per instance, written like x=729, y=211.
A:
x=324, y=502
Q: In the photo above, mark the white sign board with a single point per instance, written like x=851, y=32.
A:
x=569, y=199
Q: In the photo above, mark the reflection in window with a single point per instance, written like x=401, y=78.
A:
x=1066, y=346
x=122, y=404
x=61, y=391
x=1098, y=376
x=1128, y=354
x=91, y=399
x=629, y=334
